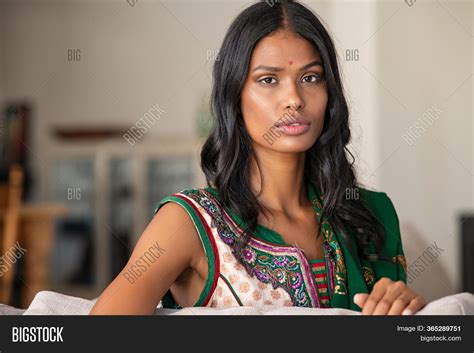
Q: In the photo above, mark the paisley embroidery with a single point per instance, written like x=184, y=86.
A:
x=401, y=260
x=369, y=275
x=279, y=270
x=282, y=266
x=326, y=228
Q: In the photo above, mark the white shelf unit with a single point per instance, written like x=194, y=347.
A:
x=159, y=167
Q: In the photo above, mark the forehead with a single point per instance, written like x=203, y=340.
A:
x=283, y=47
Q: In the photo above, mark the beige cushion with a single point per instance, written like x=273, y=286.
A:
x=52, y=303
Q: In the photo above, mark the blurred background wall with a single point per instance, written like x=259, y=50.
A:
x=104, y=65
x=411, y=93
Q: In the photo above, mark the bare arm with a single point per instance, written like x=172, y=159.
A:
x=165, y=249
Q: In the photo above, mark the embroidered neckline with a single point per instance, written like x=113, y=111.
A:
x=330, y=244
x=267, y=234
x=282, y=265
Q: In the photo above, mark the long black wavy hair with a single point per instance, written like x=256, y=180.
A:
x=226, y=154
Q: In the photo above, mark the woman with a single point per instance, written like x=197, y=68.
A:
x=283, y=220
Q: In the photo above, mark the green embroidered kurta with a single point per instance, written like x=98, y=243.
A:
x=274, y=273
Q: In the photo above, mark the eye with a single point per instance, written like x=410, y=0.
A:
x=267, y=80
x=316, y=78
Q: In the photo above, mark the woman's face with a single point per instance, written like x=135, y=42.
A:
x=284, y=85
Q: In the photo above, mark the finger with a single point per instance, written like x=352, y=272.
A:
x=415, y=304
x=360, y=299
x=393, y=291
x=399, y=305
x=377, y=293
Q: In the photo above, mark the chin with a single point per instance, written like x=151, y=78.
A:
x=293, y=144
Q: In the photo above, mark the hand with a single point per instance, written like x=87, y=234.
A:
x=389, y=298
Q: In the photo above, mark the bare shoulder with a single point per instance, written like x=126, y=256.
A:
x=173, y=226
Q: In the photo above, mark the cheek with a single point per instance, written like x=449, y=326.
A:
x=256, y=110
x=316, y=102
x=317, y=109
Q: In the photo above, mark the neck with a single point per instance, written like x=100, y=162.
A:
x=277, y=181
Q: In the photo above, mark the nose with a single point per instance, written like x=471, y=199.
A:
x=293, y=100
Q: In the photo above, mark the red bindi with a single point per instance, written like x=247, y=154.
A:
x=291, y=62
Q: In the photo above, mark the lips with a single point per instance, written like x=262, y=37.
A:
x=298, y=121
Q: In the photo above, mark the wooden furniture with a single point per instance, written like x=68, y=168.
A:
x=35, y=235
x=26, y=233
x=10, y=203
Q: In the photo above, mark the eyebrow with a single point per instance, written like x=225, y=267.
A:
x=278, y=69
